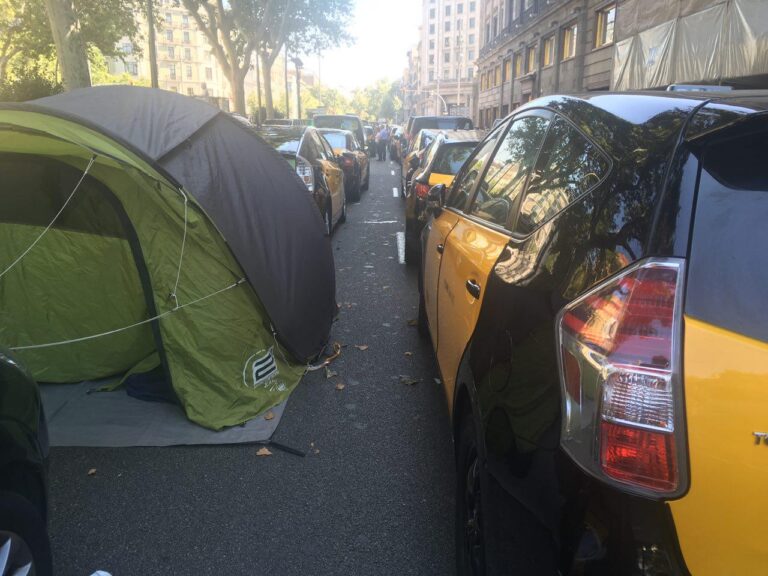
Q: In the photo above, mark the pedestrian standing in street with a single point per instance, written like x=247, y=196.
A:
x=383, y=143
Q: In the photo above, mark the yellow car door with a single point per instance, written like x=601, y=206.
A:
x=440, y=228
x=334, y=175
x=478, y=238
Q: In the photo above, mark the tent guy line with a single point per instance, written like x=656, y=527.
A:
x=124, y=328
x=52, y=222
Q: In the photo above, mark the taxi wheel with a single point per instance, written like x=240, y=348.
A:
x=367, y=183
x=24, y=544
x=422, y=324
x=470, y=542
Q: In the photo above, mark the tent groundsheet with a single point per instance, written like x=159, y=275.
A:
x=79, y=415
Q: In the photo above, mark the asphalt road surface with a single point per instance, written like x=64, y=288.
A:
x=374, y=494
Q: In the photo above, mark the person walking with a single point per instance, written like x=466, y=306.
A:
x=383, y=143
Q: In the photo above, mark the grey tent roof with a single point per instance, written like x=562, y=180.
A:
x=257, y=202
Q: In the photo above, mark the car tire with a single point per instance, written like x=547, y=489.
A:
x=354, y=192
x=411, y=244
x=470, y=547
x=367, y=183
x=22, y=525
x=422, y=324
x=343, y=217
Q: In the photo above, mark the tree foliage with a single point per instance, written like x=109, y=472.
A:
x=24, y=31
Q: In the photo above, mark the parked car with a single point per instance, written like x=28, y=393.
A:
x=285, y=122
x=395, y=141
x=414, y=157
x=576, y=247
x=24, y=544
x=312, y=157
x=417, y=123
x=443, y=159
x=353, y=160
x=341, y=122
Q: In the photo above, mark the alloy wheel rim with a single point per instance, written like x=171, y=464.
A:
x=15, y=556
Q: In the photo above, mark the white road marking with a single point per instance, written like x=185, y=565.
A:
x=395, y=192
x=401, y=247
x=379, y=221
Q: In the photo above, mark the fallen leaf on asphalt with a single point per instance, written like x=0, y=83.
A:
x=409, y=353
x=408, y=380
x=269, y=415
x=264, y=452
x=330, y=373
x=92, y=472
x=361, y=347
x=340, y=386
x=413, y=322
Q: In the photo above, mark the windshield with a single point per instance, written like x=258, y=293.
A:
x=338, y=122
x=335, y=139
x=451, y=157
x=284, y=142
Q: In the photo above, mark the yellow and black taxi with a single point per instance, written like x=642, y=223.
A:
x=443, y=158
x=414, y=156
x=310, y=154
x=594, y=284
x=353, y=160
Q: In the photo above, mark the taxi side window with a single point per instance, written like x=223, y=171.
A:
x=569, y=167
x=307, y=149
x=508, y=171
x=326, y=149
x=465, y=181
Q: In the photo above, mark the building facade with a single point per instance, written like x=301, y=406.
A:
x=530, y=48
x=442, y=66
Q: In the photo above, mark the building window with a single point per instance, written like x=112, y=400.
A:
x=447, y=42
x=606, y=18
x=471, y=39
x=487, y=32
x=530, y=61
x=459, y=8
x=570, y=33
x=507, y=70
x=528, y=4
x=209, y=73
x=187, y=54
x=186, y=37
x=431, y=58
x=168, y=18
x=447, y=57
x=188, y=71
x=172, y=71
x=470, y=73
x=185, y=21
x=518, y=65
x=472, y=6
x=171, y=53
x=459, y=24
x=431, y=13
x=472, y=23
x=446, y=74
x=431, y=28
x=126, y=48
x=447, y=27
x=431, y=44
x=132, y=68
x=495, y=26
x=497, y=76
x=470, y=55
x=431, y=75
x=190, y=91
x=548, y=51
x=169, y=35
x=448, y=10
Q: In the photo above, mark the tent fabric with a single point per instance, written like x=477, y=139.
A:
x=689, y=41
x=260, y=206
x=156, y=262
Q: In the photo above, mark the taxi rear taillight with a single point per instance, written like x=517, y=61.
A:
x=421, y=190
x=305, y=172
x=620, y=376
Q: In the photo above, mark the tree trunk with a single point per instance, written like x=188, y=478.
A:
x=237, y=86
x=266, y=70
x=71, y=50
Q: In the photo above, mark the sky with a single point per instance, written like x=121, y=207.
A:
x=383, y=31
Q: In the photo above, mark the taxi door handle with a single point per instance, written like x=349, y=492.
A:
x=473, y=288
x=441, y=248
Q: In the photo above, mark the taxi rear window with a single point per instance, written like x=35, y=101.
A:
x=451, y=158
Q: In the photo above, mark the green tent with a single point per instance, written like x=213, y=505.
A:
x=108, y=266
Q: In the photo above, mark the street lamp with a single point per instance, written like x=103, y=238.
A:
x=299, y=65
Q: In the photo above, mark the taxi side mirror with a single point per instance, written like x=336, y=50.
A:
x=436, y=200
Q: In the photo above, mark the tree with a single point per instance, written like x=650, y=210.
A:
x=24, y=30
x=226, y=26
x=77, y=25
x=305, y=26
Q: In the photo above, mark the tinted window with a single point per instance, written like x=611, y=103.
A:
x=508, y=172
x=442, y=124
x=282, y=142
x=462, y=186
x=451, y=158
x=336, y=139
x=569, y=167
x=338, y=122
x=727, y=278
x=308, y=150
